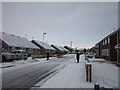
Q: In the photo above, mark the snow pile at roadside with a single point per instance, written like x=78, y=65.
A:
x=7, y=66
x=3, y=65
x=19, y=63
x=72, y=76
x=26, y=62
x=35, y=59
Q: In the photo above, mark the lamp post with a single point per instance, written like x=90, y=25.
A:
x=43, y=42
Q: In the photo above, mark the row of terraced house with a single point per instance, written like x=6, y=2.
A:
x=12, y=42
x=109, y=47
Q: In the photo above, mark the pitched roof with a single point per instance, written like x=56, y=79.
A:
x=58, y=48
x=64, y=49
x=117, y=30
x=44, y=45
x=68, y=48
x=17, y=41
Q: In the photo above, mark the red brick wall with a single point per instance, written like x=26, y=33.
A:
x=5, y=46
x=113, y=52
x=97, y=50
x=106, y=46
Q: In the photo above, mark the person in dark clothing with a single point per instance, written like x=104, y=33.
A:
x=77, y=57
x=47, y=56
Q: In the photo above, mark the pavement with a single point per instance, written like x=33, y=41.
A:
x=72, y=76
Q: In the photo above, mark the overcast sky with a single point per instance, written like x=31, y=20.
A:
x=83, y=23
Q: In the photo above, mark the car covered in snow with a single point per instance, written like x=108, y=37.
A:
x=90, y=55
x=7, y=56
x=21, y=54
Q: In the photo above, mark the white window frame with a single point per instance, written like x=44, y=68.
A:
x=105, y=52
x=108, y=39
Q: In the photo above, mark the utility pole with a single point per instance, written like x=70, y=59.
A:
x=71, y=46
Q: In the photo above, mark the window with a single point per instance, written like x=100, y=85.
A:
x=105, y=52
x=108, y=40
x=102, y=42
x=13, y=48
x=105, y=41
x=30, y=50
x=97, y=46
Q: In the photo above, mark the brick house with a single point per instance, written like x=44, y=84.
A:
x=106, y=47
x=69, y=49
x=12, y=42
x=45, y=48
x=118, y=44
x=59, y=49
x=97, y=50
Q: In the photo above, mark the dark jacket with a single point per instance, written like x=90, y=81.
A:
x=77, y=56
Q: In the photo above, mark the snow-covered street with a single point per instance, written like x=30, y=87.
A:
x=25, y=74
x=58, y=73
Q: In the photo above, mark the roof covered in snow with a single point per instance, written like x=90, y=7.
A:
x=68, y=48
x=59, y=47
x=64, y=49
x=44, y=45
x=17, y=41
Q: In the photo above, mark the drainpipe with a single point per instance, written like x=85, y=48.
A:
x=117, y=47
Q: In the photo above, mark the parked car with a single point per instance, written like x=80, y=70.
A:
x=7, y=56
x=21, y=54
x=81, y=52
x=90, y=55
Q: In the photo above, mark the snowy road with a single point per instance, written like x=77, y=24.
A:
x=28, y=76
